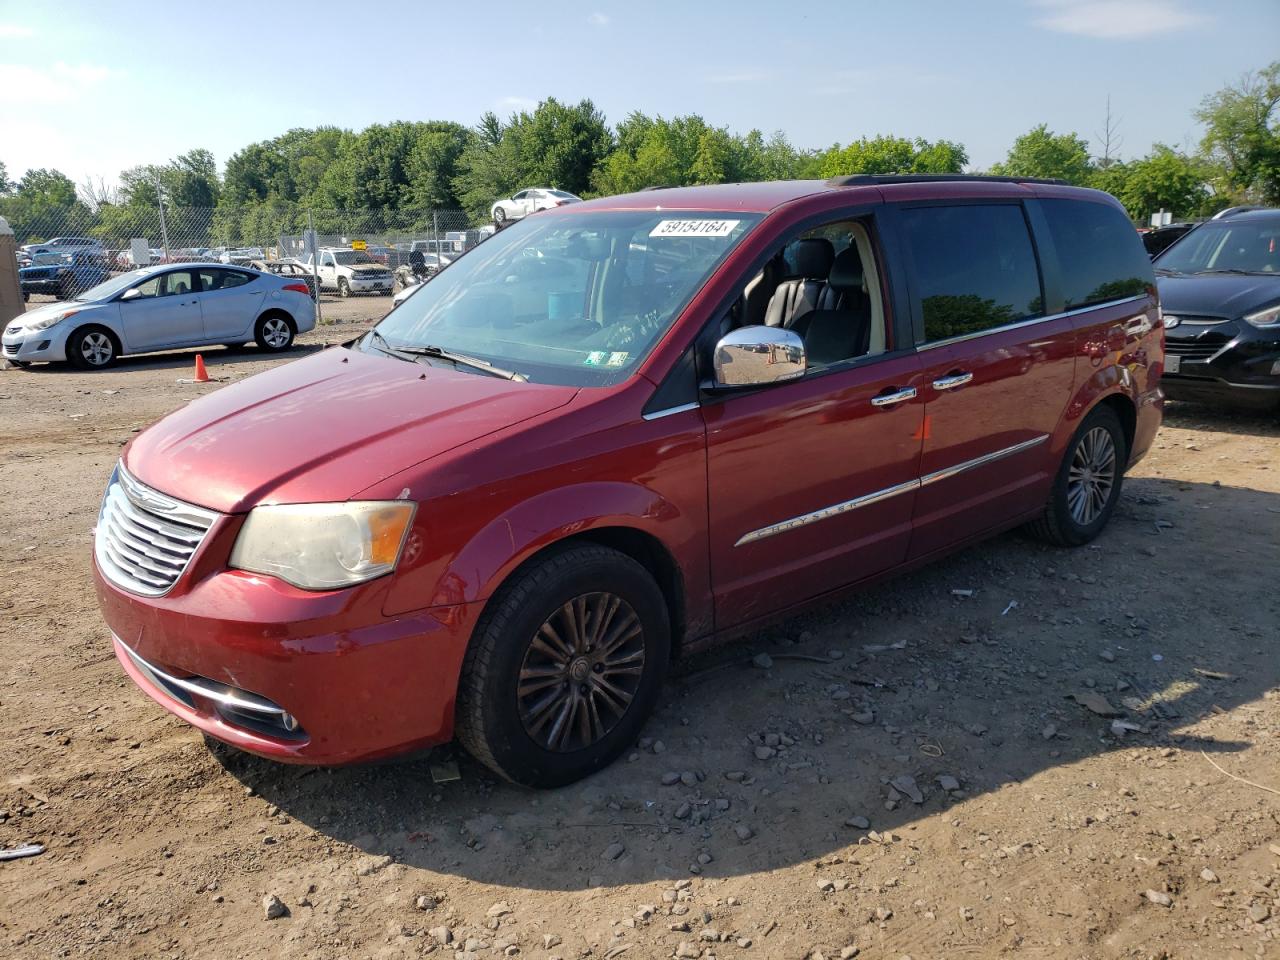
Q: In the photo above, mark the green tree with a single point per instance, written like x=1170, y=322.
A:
x=4, y=179
x=44, y=204
x=1042, y=153
x=885, y=155
x=1163, y=180
x=1242, y=133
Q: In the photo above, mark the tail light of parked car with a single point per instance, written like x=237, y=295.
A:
x=298, y=288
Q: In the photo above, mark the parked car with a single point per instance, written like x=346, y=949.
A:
x=242, y=255
x=529, y=201
x=162, y=308
x=61, y=275
x=1159, y=239
x=1220, y=289
x=420, y=268
x=291, y=269
x=350, y=271
x=67, y=245
x=614, y=434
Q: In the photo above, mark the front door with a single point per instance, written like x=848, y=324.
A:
x=229, y=302
x=998, y=374
x=165, y=313
x=811, y=485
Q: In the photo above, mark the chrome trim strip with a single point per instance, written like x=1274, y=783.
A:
x=1026, y=323
x=668, y=411
x=201, y=687
x=831, y=511
x=981, y=461
x=177, y=510
x=836, y=509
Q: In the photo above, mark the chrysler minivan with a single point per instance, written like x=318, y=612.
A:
x=613, y=434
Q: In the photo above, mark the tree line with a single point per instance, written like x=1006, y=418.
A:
x=268, y=186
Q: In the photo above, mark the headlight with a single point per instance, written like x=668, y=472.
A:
x=323, y=546
x=48, y=322
x=1269, y=317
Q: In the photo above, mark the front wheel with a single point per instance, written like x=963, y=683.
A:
x=1087, y=486
x=564, y=667
x=344, y=288
x=499, y=217
x=273, y=333
x=91, y=349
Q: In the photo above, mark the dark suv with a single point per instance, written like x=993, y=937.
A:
x=1220, y=290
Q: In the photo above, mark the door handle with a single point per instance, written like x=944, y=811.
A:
x=898, y=396
x=952, y=381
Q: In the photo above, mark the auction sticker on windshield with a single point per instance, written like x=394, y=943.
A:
x=694, y=228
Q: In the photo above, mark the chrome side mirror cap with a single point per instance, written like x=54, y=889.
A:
x=758, y=356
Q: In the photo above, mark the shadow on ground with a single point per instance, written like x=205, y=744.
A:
x=910, y=680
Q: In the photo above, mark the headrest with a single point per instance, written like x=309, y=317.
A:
x=813, y=258
x=846, y=270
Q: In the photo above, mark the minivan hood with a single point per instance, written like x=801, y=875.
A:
x=1220, y=295
x=324, y=428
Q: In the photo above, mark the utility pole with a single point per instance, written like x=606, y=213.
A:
x=315, y=261
x=164, y=228
x=1110, y=140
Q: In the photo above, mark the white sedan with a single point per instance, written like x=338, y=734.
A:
x=529, y=201
x=163, y=308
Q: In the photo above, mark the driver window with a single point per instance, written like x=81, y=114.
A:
x=177, y=283
x=825, y=285
x=149, y=287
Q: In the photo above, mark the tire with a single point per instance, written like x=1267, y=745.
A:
x=92, y=348
x=273, y=332
x=344, y=288
x=1087, y=486
x=499, y=217
x=532, y=615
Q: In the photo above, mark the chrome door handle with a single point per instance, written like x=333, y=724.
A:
x=953, y=381
x=889, y=399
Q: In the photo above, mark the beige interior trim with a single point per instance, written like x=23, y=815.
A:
x=871, y=285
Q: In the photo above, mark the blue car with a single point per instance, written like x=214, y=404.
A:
x=62, y=275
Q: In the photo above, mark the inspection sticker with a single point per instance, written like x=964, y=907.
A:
x=617, y=359
x=694, y=228
x=595, y=358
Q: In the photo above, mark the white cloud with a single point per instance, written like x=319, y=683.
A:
x=15, y=31
x=598, y=19
x=517, y=103
x=63, y=82
x=1116, y=19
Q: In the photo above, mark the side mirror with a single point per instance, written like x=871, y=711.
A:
x=758, y=356
x=133, y=293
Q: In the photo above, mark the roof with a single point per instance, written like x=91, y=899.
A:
x=768, y=195
x=1264, y=214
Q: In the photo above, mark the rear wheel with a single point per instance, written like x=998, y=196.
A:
x=564, y=667
x=273, y=332
x=1087, y=486
x=91, y=348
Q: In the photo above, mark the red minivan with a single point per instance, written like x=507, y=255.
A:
x=612, y=434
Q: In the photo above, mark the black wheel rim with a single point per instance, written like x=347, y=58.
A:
x=581, y=672
x=1092, y=476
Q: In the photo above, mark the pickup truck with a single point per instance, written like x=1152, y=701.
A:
x=351, y=271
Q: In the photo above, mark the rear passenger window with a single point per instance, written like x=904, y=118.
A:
x=1100, y=252
x=975, y=268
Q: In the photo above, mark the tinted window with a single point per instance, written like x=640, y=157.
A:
x=222, y=279
x=975, y=268
x=1228, y=246
x=1101, y=255
x=178, y=282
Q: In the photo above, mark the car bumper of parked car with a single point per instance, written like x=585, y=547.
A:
x=293, y=676
x=371, y=286
x=52, y=285
x=34, y=346
x=1243, y=372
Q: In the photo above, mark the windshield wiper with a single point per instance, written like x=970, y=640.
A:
x=461, y=359
x=439, y=353
x=1167, y=272
x=1235, y=270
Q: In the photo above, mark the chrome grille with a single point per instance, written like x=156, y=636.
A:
x=144, y=538
x=1190, y=350
x=11, y=349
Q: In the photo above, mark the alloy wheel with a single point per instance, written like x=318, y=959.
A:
x=96, y=348
x=275, y=332
x=581, y=672
x=1092, y=476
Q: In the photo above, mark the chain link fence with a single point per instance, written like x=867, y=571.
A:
x=119, y=238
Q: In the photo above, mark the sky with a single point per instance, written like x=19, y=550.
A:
x=94, y=88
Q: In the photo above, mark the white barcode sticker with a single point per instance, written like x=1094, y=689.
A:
x=694, y=228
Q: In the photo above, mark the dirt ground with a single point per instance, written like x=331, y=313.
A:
x=908, y=776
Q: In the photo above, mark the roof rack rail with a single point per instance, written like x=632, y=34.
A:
x=871, y=179
x=656, y=186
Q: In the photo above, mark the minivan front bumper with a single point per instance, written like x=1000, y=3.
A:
x=317, y=678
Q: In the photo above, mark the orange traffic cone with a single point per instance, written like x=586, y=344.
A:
x=202, y=375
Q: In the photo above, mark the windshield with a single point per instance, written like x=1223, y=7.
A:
x=348, y=257
x=49, y=259
x=576, y=299
x=113, y=286
x=1246, y=246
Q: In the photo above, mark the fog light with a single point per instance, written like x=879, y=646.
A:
x=43, y=345
x=289, y=722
